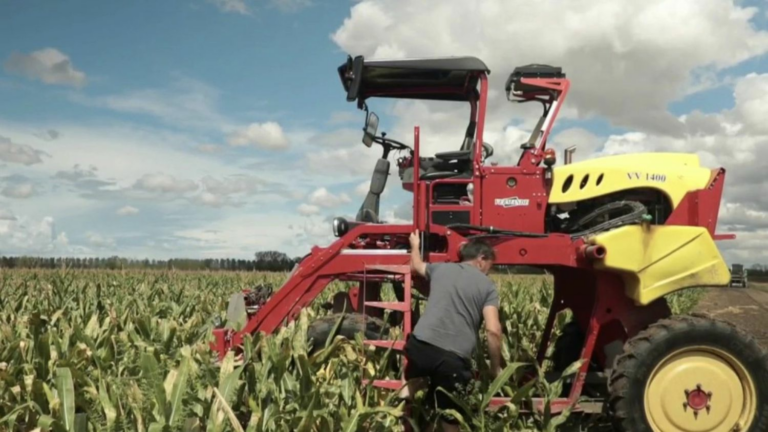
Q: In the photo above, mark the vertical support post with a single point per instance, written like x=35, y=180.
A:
x=407, y=285
x=478, y=156
x=416, y=175
x=477, y=160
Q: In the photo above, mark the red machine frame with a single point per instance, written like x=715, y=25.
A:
x=372, y=253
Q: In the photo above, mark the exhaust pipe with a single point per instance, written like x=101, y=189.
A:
x=593, y=252
x=569, y=155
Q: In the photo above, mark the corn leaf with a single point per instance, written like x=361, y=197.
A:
x=66, y=392
x=179, y=387
x=228, y=410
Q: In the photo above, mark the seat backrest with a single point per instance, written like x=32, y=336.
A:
x=369, y=210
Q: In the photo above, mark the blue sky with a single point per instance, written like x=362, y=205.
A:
x=218, y=127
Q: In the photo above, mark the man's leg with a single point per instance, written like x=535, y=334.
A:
x=453, y=376
x=416, y=373
x=412, y=386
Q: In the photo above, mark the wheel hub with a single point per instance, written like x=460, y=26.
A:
x=697, y=400
x=699, y=390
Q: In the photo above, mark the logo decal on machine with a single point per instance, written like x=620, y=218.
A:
x=511, y=202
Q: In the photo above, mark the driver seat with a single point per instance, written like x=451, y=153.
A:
x=455, y=164
x=369, y=210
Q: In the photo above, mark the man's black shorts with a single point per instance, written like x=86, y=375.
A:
x=444, y=369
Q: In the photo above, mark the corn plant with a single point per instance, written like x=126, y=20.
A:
x=94, y=350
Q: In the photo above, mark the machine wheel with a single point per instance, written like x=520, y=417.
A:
x=567, y=346
x=690, y=373
x=352, y=324
x=567, y=350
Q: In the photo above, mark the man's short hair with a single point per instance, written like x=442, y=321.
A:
x=476, y=248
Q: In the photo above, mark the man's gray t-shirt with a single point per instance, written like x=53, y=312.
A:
x=457, y=295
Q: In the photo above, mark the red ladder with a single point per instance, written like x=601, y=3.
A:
x=400, y=273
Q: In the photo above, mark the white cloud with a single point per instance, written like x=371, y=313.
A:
x=100, y=241
x=234, y=6
x=48, y=135
x=232, y=190
x=209, y=148
x=751, y=96
x=338, y=117
x=6, y=215
x=291, y=5
x=211, y=200
x=186, y=103
x=614, y=52
x=322, y=198
x=164, y=183
x=362, y=188
x=246, y=184
x=242, y=234
x=241, y=6
x=25, y=236
x=267, y=135
x=308, y=209
x=127, y=211
x=18, y=191
x=77, y=173
x=341, y=163
x=48, y=65
x=18, y=153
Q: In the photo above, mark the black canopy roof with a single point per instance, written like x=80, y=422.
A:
x=447, y=78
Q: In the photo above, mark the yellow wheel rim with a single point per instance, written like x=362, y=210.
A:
x=700, y=389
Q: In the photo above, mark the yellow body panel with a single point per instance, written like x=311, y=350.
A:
x=656, y=260
x=674, y=173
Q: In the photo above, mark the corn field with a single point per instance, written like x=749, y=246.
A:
x=102, y=350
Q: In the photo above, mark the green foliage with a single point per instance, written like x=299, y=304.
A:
x=123, y=351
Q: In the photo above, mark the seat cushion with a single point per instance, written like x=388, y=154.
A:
x=437, y=175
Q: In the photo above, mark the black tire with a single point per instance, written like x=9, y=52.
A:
x=567, y=350
x=642, y=353
x=352, y=324
x=567, y=346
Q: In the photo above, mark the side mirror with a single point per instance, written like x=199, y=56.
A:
x=371, y=126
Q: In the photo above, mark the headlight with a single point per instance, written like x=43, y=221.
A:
x=340, y=226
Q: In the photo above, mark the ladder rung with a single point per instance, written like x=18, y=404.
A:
x=371, y=277
x=387, y=384
x=398, y=306
x=396, y=344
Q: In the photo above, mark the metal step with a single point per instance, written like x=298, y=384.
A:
x=397, y=269
x=397, y=306
x=387, y=384
x=398, y=345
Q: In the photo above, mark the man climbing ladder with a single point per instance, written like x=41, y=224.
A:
x=439, y=350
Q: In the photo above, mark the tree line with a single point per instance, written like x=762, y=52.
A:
x=262, y=261
x=273, y=261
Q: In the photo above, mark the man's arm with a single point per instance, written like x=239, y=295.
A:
x=493, y=332
x=417, y=264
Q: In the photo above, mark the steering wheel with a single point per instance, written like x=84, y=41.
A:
x=389, y=142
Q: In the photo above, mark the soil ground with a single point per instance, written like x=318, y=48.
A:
x=746, y=308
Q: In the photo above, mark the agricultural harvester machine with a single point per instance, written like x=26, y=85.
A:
x=618, y=234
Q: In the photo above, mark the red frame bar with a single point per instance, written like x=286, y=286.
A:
x=532, y=158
